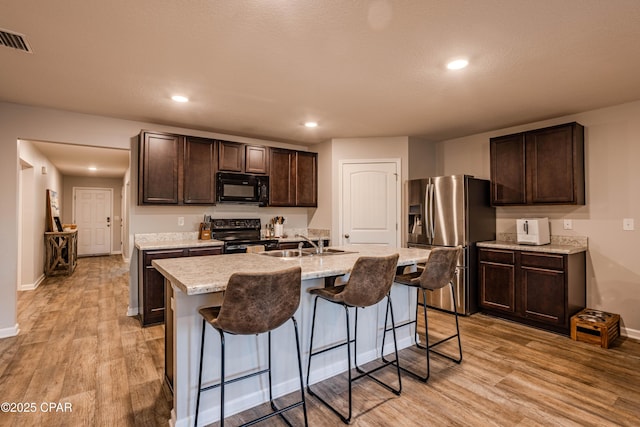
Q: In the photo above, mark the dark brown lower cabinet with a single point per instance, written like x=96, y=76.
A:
x=151, y=298
x=535, y=288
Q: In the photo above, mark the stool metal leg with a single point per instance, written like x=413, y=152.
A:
x=346, y=312
x=222, y=380
x=200, y=374
x=279, y=411
x=386, y=362
x=428, y=347
x=351, y=379
x=344, y=419
x=313, y=324
x=304, y=401
x=417, y=341
x=457, y=334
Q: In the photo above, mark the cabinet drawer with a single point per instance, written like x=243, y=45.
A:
x=151, y=255
x=500, y=256
x=214, y=250
x=540, y=260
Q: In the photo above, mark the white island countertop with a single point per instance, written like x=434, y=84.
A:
x=200, y=275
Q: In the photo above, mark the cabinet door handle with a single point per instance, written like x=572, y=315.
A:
x=346, y=236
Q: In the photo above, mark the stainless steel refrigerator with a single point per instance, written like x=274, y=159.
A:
x=452, y=211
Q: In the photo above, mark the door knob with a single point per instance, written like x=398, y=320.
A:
x=346, y=236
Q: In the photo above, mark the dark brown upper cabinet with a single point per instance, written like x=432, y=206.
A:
x=242, y=158
x=293, y=179
x=539, y=167
x=256, y=159
x=159, y=171
x=176, y=170
x=199, y=171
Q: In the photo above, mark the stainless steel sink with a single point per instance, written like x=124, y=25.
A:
x=293, y=253
x=330, y=251
x=286, y=253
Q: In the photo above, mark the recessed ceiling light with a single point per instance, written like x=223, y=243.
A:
x=311, y=124
x=180, y=98
x=92, y=168
x=458, y=64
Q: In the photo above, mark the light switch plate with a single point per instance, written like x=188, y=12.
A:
x=568, y=224
x=180, y=221
x=627, y=224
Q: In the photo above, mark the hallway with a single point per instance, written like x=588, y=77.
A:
x=77, y=345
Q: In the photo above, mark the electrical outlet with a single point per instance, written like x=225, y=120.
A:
x=180, y=221
x=627, y=224
x=568, y=224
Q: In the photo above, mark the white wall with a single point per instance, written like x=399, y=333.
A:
x=35, y=219
x=361, y=149
x=422, y=159
x=42, y=124
x=26, y=252
x=612, y=155
x=320, y=218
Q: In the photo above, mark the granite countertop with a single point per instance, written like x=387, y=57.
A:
x=150, y=241
x=566, y=245
x=199, y=275
x=292, y=238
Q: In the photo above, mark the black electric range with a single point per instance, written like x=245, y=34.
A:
x=238, y=234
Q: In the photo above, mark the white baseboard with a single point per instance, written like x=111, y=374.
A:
x=32, y=286
x=9, y=332
x=631, y=333
x=132, y=311
x=125, y=259
x=116, y=252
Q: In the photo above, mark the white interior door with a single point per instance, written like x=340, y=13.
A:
x=92, y=214
x=370, y=202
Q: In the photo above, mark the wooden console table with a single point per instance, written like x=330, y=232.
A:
x=61, y=252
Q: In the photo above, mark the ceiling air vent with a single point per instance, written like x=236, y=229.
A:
x=14, y=40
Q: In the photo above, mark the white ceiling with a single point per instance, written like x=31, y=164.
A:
x=359, y=68
x=74, y=160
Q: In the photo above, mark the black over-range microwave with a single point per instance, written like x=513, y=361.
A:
x=242, y=188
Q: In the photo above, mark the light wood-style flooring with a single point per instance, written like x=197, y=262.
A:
x=77, y=346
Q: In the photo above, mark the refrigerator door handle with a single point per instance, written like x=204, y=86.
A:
x=427, y=221
x=431, y=211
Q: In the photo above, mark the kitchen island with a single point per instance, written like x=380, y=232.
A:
x=200, y=281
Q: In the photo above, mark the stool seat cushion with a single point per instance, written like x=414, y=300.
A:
x=255, y=303
x=209, y=313
x=328, y=293
x=369, y=281
x=409, y=279
x=438, y=271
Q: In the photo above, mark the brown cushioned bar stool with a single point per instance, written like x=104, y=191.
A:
x=439, y=271
x=369, y=282
x=254, y=303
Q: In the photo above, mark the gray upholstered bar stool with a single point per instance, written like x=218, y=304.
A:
x=369, y=282
x=254, y=303
x=439, y=271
